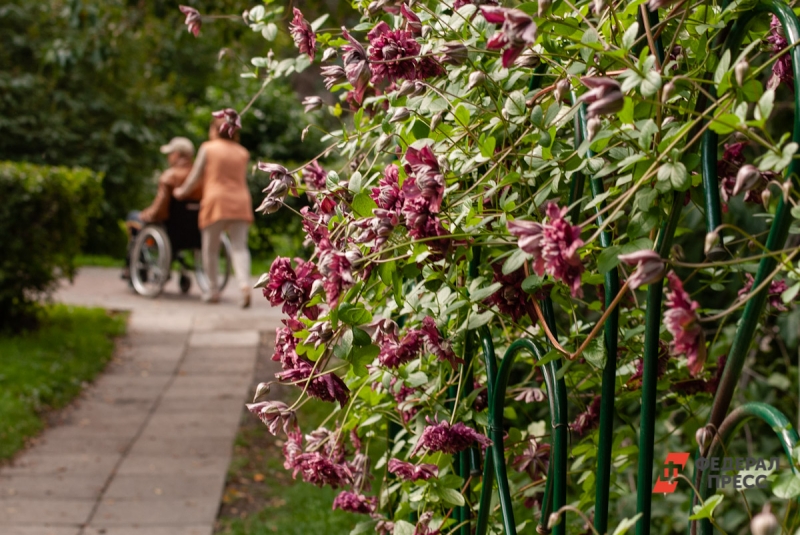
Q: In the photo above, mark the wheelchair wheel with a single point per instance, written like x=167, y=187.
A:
x=224, y=267
x=150, y=261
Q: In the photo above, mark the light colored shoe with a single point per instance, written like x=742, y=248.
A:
x=211, y=298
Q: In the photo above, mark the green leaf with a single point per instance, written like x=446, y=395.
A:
x=479, y=320
x=790, y=293
x=707, y=509
x=385, y=270
x=596, y=353
x=360, y=337
x=626, y=524
x=487, y=147
x=629, y=37
x=363, y=205
x=787, y=486
x=722, y=68
x=345, y=345
x=451, y=496
x=354, y=315
x=675, y=175
x=270, y=31
x=317, y=24
x=651, y=84
x=515, y=104
x=401, y=527
x=462, y=115
x=364, y=527
x=764, y=107
x=608, y=259
x=532, y=283
x=361, y=356
x=515, y=261
x=479, y=294
x=725, y=124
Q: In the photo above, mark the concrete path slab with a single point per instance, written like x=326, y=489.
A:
x=145, y=449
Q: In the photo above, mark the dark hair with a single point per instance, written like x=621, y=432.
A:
x=216, y=123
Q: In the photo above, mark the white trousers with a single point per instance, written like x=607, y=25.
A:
x=212, y=236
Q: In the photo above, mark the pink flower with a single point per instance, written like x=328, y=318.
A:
x=292, y=450
x=405, y=408
x=587, y=419
x=327, y=387
x=193, y=20
x=782, y=68
x=511, y=299
x=733, y=159
x=533, y=460
x=232, y=124
x=413, y=23
x=412, y=472
x=291, y=287
x=649, y=267
x=518, y=31
x=303, y=34
x=333, y=75
x=315, y=176
x=441, y=436
x=681, y=322
x=531, y=395
x=604, y=96
x=285, y=348
x=776, y=288
x=436, y=344
x=356, y=67
x=554, y=246
x=320, y=470
x=354, y=503
x=392, y=53
x=422, y=527
x=274, y=414
x=388, y=194
x=394, y=354
x=336, y=271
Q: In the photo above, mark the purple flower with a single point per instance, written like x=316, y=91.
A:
x=319, y=470
x=436, y=344
x=604, y=96
x=388, y=194
x=533, y=460
x=392, y=53
x=587, y=419
x=649, y=267
x=733, y=159
x=291, y=287
x=303, y=34
x=776, y=288
x=393, y=354
x=327, y=387
x=422, y=527
x=681, y=322
x=782, y=68
x=193, y=20
x=354, y=503
x=413, y=23
x=274, y=414
x=336, y=269
x=406, y=408
x=412, y=472
x=232, y=124
x=315, y=177
x=356, y=66
x=285, y=348
x=292, y=450
x=531, y=395
x=554, y=246
x=441, y=436
x=333, y=75
x=511, y=299
x=518, y=32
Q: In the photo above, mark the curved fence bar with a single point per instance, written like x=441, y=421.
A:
x=490, y=361
x=768, y=414
x=644, y=487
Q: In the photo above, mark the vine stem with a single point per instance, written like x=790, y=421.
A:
x=592, y=335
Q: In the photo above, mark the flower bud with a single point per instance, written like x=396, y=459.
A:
x=426, y=31
x=765, y=523
x=786, y=188
x=667, y=91
x=329, y=53
x=454, y=53
x=592, y=127
x=383, y=142
x=766, y=196
x=598, y=6
x=400, y=114
x=317, y=288
x=529, y=59
x=312, y=103
x=747, y=177
x=436, y=120
x=712, y=240
x=704, y=436
x=554, y=520
x=419, y=89
x=544, y=5
x=562, y=89
x=406, y=88
x=475, y=79
x=740, y=72
x=261, y=390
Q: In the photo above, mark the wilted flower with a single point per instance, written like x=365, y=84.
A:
x=782, y=68
x=441, y=436
x=776, y=288
x=681, y=322
x=554, y=246
x=354, y=503
x=356, y=66
x=312, y=103
x=649, y=267
x=588, y=418
x=423, y=525
x=193, y=20
x=393, y=54
x=333, y=75
x=303, y=34
x=667, y=91
x=728, y=169
x=604, y=96
x=232, y=124
x=453, y=53
x=393, y=354
x=436, y=344
x=518, y=31
x=412, y=472
x=274, y=414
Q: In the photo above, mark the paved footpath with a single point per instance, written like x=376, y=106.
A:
x=145, y=449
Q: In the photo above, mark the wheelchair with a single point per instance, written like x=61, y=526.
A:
x=156, y=246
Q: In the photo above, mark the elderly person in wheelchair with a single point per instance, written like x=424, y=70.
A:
x=167, y=229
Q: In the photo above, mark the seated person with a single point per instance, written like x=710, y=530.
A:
x=180, y=152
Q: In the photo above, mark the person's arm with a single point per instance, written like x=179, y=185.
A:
x=159, y=209
x=195, y=175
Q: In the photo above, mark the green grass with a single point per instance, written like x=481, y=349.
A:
x=47, y=368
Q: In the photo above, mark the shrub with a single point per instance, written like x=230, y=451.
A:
x=43, y=220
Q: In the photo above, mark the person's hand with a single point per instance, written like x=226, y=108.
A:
x=179, y=193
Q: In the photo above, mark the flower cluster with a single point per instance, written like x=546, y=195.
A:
x=681, y=322
x=441, y=436
x=303, y=34
x=412, y=472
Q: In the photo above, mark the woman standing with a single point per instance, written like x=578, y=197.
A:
x=221, y=165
